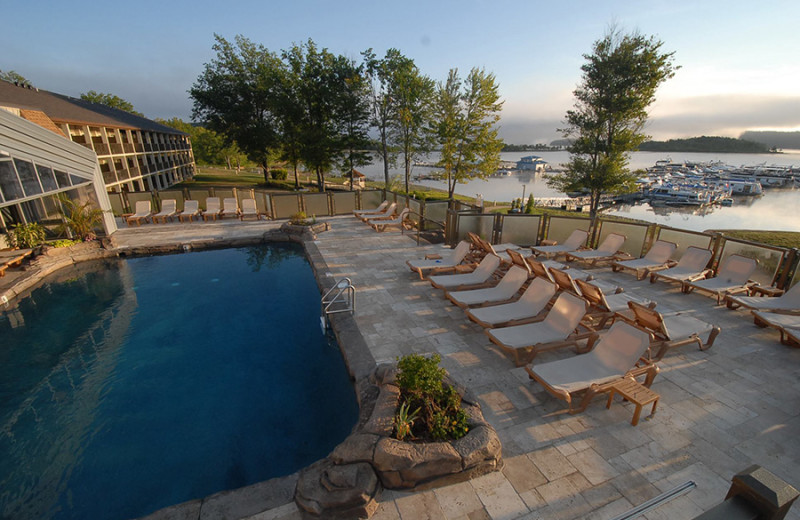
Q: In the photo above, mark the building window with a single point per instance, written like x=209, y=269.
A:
x=47, y=178
x=9, y=184
x=28, y=177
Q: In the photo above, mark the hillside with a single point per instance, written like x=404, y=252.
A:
x=783, y=140
x=705, y=144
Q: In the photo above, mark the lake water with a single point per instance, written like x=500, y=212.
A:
x=776, y=210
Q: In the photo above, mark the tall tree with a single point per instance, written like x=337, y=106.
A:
x=110, y=100
x=354, y=117
x=381, y=74
x=412, y=94
x=619, y=82
x=236, y=96
x=465, y=115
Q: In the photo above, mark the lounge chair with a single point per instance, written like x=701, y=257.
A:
x=606, y=251
x=786, y=324
x=518, y=260
x=525, y=309
x=13, y=258
x=142, y=213
x=361, y=212
x=399, y=221
x=787, y=303
x=732, y=277
x=672, y=330
x=191, y=209
x=657, y=258
x=691, y=266
x=169, y=208
x=388, y=212
x=213, y=208
x=440, y=262
x=604, y=307
x=566, y=281
x=615, y=356
x=540, y=269
x=486, y=248
x=478, y=278
x=229, y=207
x=249, y=209
x=558, y=329
x=572, y=243
x=508, y=286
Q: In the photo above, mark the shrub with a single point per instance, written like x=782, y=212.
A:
x=64, y=242
x=530, y=205
x=437, y=413
x=79, y=218
x=279, y=174
x=27, y=235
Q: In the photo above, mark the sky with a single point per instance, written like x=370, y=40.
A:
x=740, y=65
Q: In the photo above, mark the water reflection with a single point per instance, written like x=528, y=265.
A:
x=775, y=211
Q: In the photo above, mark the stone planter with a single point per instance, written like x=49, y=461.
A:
x=395, y=464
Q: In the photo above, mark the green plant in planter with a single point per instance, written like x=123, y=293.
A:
x=421, y=383
x=404, y=421
x=27, y=235
x=80, y=219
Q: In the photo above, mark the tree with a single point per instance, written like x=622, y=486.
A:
x=236, y=96
x=13, y=77
x=324, y=89
x=619, y=82
x=411, y=97
x=208, y=146
x=465, y=118
x=110, y=100
x=354, y=116
x=381, y=74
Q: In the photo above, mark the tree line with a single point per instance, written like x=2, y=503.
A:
x=708, y=144
x=307, y=106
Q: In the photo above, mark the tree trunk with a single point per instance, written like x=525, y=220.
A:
x=385, y=153
x=407, y=161
x=320, y=179
x=265, y=168
x=296, y=180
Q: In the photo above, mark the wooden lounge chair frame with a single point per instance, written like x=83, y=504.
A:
x=380, y=225
x=599, y=308
x=138, y=216
x=191, y=208
x=543, y=293
x=789, y=332
x=249, y=209
x=642, y=368
x=213, y=208
x=686, y=275
x=722, y=273
x=641, y=267
x=525, y=354
x=602, y=254
x=649, y=319
x=169, y=208
x=387, y=213
x=448, y=262
x=361, y=212
x=14, y=259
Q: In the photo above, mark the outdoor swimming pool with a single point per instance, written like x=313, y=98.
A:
x=151, y=381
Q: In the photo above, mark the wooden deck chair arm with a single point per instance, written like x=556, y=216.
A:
x=649, y=370
x=499, y=302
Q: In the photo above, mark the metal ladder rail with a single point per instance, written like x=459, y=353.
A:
x=342, y=292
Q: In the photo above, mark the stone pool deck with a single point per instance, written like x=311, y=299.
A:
x=720, y=411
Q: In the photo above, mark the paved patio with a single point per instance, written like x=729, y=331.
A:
x=720, y=411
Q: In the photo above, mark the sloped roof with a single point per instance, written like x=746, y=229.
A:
x=65, y=109
x=41, y=119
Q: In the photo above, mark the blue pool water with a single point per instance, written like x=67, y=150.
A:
x=147, y=382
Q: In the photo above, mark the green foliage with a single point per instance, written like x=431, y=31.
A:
x=279, y=174
x=529, y=206
x=237, y=94
x=110, y=100
x=404, y=421
x=27, y=235
x=619, y=82
x=421, y=383
x=64, y=242
x=465, y=116
x=80, y=219
x=382, y=75
x=705, y=144
x=13, y=77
